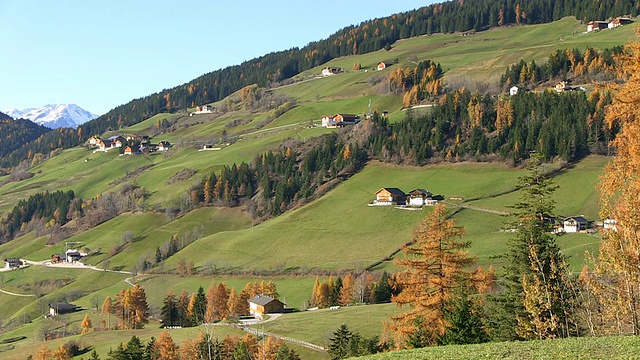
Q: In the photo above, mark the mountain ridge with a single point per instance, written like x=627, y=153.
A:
x=53, y=116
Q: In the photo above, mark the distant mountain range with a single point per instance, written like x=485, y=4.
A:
x=54, y=116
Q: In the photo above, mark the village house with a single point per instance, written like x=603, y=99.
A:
x=12, y=263
x=383, y=65
x=163, y=146
x=610, y=224
x=562, y=86
x=575, y=224
x=390, y=196
x=128, y=150
x=104, y=145
x=57, y=258
x=420, y=197
x=72, y=255
x=117, y=141
x=619, y=21
x=597, y=25
x=203, y=109
x=260, y=305
x=94, y=140
x=61, y=308
x=329, y=70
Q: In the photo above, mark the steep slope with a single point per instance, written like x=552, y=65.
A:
x=54, y=116
x=16, y=133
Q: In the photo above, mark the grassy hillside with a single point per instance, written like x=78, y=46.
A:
x=338, y=231
x=616, y=347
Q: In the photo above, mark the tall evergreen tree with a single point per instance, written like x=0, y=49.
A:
x=169, y=313
x=537, y=288
x=339, y=342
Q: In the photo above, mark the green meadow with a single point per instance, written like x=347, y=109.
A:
x=335, y=233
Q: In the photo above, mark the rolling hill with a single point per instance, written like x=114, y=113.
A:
x=338, y=232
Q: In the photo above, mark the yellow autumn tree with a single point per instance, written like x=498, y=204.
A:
x=43, y=353
x=86, y=324
x=166, y=347
x=106, y=309
x=61, y=353
x=618, y=268
x=346, y=291
x=432, y=268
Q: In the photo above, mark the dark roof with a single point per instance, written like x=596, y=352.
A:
x=63, y=307
x=419, y=192
x=12, y=260
x=263, y=300
x=394, y=191
x=578, y=219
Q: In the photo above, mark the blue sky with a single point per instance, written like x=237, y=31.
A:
x=101, y=54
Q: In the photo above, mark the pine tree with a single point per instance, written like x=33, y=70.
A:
x=169, y=313
x=538, y=290
x=433, y=267
x=465, y=320
x=199, y=308
x=339, y=342
x=183, y=309
x=134, y=349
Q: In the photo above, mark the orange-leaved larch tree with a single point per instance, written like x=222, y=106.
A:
x=433, y=267
x=86, y=324
x=617, y=272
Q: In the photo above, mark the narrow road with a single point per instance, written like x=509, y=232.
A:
x=306, y=344
x=470, y=207
x=14, y=294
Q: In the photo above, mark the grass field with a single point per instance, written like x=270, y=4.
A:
x=616, y=347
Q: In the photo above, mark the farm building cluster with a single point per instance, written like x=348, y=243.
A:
x=70, y=256
x=130, y=144
x=339, y=120
x=604, y=25
x=391, y=196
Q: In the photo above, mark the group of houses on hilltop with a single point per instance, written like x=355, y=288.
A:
x=131, y=144
x=604, y=25
x=391, y=196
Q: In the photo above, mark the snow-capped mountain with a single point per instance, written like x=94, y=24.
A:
x=54, y=115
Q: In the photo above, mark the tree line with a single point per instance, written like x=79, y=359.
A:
x=563, y=64
x=55, y=207
x=352, y=289
x=204, y=346
x=278, y=180
x=218, y=303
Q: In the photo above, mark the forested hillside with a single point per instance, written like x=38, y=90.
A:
x=16, y=133
x=368, y=36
